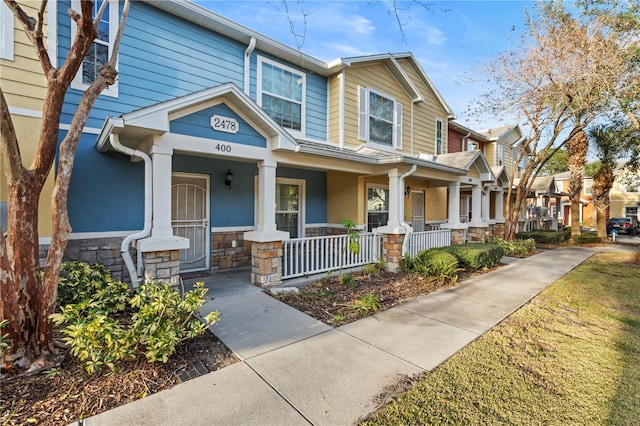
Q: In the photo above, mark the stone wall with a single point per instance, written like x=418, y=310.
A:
x=229, y=250
x=162, y=266
x=266, y=266
x=392, y=251
x=458, y=236
x=97, y=250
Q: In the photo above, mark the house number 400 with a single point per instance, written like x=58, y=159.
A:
x=224, y=124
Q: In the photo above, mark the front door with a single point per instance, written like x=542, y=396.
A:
x=190, y=218
x=417, y=211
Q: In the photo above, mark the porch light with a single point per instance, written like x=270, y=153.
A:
x=228, y=178
x=407, y=191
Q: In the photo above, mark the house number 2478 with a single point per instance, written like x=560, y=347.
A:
x=224, y=124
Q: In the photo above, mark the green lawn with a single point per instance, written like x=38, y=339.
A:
x=571, y=356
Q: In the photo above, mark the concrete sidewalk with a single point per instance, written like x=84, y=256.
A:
x=296, y=370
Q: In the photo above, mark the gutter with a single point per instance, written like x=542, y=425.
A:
x=247, y=65
x=408, y=228
x=114, y=138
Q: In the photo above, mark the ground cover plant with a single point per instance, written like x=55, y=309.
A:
x=570, y=356
x=121, y=345
x=340, y=299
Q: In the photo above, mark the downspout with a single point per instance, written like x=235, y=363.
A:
x=464, y=142
x=247, y=65
x=148, y=198
x=408, y=228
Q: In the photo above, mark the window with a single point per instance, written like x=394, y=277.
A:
x=631, y=212
x=499, y=155
x=101, y=48
x=281, y=94
x=377, y=207
x=587, y=186
x=629, y=185
x=289, y=206
x=380, y=119
x=472, y=146
x=6, y=32
x=439, y=132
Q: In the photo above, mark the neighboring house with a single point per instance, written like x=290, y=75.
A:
x=545, y=194
x=218, y=146
x=587, y=209
x=23, y=85
x=625, y=195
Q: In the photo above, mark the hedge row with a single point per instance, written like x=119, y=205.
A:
x=545, y=236
x=472, y=256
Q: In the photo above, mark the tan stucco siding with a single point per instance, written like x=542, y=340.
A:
x=342, y=197
x=620, y=200
x=436, y=204
x=334, y=108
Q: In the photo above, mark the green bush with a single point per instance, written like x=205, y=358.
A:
x=545, y=236
x=472, y=256
x=434, y=262
x=517, y=248
x=587, y=239
x=153, y=320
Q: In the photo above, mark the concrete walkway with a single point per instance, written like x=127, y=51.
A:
x=296, y=370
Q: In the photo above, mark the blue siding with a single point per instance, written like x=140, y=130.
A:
x=106, y=192
x=198, y=124
x=230, y=206
x=316, y=186
x=162, y=57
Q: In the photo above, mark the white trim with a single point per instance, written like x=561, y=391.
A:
x=90, y=130
x=342, y=78
x=7, y=33
x=34, y=113
x=52, y=32
x=303, y=103
x=364, y=115
x=114, y=15
x=90, y=236
x=435, y=136
x=302, y=184
x=232, y=229
x=366, y=201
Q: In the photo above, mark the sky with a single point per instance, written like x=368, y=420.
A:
x=450, y=39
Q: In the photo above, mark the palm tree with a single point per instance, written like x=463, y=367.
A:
x=577, y=147
x=611, y=142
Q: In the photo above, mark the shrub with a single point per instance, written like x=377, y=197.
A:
x=545, y=236
x=436, y=263
x=517, y=248
x=472, y=256
x=347, y=280
x=152, y=322
x=587, y=239
x=370, y=270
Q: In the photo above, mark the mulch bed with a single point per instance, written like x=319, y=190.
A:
x=67, y=394
x=332, y=302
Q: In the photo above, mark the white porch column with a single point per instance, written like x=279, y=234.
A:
x=486, y=211
x=476, y=205
x=454, y=203
x=266, y=226
x=395, y=198
x=499, y=206
x=161, y=158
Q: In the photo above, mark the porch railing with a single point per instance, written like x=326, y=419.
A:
x=419, y=241
x=307, y=256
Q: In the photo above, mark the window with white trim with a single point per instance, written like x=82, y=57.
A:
x=290, y=206
x=100, y=49
x=499, y=155
x=631, y=211
x=472, y=146
x=281, y=94
x=380, y=118
x=587, y=186
x=6, y=32
x=377, y=207
x=439, y=136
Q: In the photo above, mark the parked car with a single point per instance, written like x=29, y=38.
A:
x=623, y=225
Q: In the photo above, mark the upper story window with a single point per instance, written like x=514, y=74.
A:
x=499, y=155
x=472, y=146
x=6, y=32
x=380, y=119
x=281, y=94
x=587, y=186
x=439, y=136
x=100, y=50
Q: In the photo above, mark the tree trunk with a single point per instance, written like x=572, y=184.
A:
x=577, y=146
x=21, y=279
x=576, y=229
x=601, y=221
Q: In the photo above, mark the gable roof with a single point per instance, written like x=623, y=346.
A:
x=501, y=173
x=391, y=62
x=155, y=119
x=464, y=160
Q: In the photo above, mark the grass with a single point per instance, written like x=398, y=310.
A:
x=571, y=356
